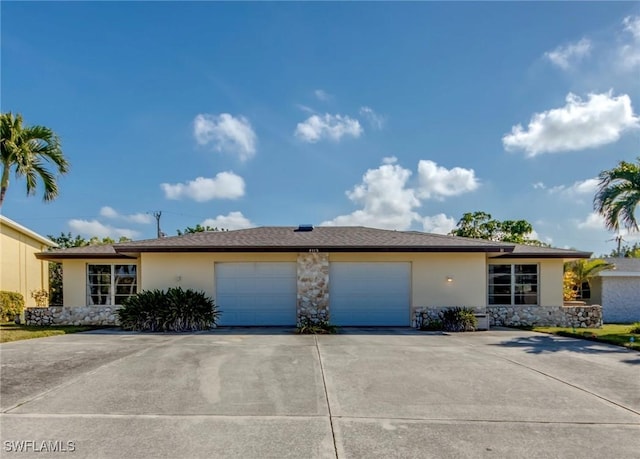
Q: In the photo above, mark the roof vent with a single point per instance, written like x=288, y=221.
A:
x=305, y=228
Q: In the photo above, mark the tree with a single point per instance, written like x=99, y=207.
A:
x=66, y=241
x=618, y=196
x=198, y=229
x=627, y=251
x=581, y=271
x=480, y=225
x=29, y=150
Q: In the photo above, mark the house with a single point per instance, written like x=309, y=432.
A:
x=21, y=271
x=617, y=290
x=355, y=276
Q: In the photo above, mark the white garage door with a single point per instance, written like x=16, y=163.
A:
x=370, y=293
x=256, y=293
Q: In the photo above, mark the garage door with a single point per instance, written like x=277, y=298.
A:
x=370, y=293
x=256, y=293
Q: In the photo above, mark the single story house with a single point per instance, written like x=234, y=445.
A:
x=20, y=270
x=617, y=290
x=355, y=276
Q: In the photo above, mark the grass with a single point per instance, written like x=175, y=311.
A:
x=13, y=332
x=617, y=334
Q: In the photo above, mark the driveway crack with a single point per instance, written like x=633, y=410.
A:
x=326, y=396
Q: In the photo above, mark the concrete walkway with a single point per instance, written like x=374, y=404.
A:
x=256, y=393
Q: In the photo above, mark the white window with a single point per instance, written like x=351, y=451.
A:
x=513, y=284
x=110, y=284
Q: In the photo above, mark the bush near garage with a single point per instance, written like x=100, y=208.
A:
x=173, y=310
x=458, y=319
x=309, y=326
x=11, y=305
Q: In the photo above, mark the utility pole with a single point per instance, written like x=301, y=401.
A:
x=619, y=241
x=157, y=214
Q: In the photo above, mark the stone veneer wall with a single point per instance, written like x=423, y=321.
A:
x=546, y=316
x=313, y=286
x=60, y=315
x=524, y=316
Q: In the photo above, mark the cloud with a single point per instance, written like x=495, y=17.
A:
x=231, y=221
x=539, y=186
x=600, y=120
x=566, y=56
x=225, y=185
x=438, y=224
x=91, y=228
x=593, y=221
x=629, y=52
x=437, y=182
x=322, y=95
x=226, y=133
x=327, y=126
x=386, y=200
x=581, y=187
x=110, y=212
x=375, y=120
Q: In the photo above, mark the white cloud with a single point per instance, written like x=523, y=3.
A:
x=327, y=126
x=593, y=221
x=226, y=133
x=322, y=95
x=387, y=202
x=565, y=56
x=225, y=185
x=231, y=221
x=438, y=224
x=437, y=182
x=539, y=186
x=629, y=52
x=91, y=228
x=578, y=125
x=375, y=120
x=110, y=212
x=581, y=187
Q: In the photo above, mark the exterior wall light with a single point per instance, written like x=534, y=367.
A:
x=449, y=279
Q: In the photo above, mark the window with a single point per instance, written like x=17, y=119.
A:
x=110, y=284
x=513, y=284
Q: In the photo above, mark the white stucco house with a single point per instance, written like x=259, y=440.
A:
x=20, y=270
x=352, y=275
x=617, y=290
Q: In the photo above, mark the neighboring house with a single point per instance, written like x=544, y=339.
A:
x=358, y=276
x=617, y=290
x=21, y=271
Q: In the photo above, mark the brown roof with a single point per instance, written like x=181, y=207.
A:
x=89, y=251
x=324, y=238
x=532, y=251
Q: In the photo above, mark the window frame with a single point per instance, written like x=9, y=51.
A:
x=113, y=298
x=513, y=293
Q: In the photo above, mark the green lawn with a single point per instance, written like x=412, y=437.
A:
x=617, y=334
x=12, y=332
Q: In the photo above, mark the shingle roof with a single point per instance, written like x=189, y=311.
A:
x=326, y=238
x=89, y=251
x=621, y=267
x=532, y=251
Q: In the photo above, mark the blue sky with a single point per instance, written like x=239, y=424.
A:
x=391, y=115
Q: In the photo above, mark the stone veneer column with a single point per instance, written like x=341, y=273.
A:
x=313, y=286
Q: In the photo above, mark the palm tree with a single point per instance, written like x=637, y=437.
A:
x=618, y=195
x=28, y=150
x=582, y=270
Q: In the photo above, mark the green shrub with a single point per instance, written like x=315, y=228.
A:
x=635, y=328
x=11, y=305
x=308, y=326
x=173, y=310
x=459, y=319
x=428, y=324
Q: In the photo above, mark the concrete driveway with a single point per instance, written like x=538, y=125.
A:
x=361, y=394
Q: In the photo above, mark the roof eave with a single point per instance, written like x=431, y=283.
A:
x=271, y=249
x=57, y=257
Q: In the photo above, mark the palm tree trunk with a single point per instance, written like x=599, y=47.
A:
x=4, y=182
